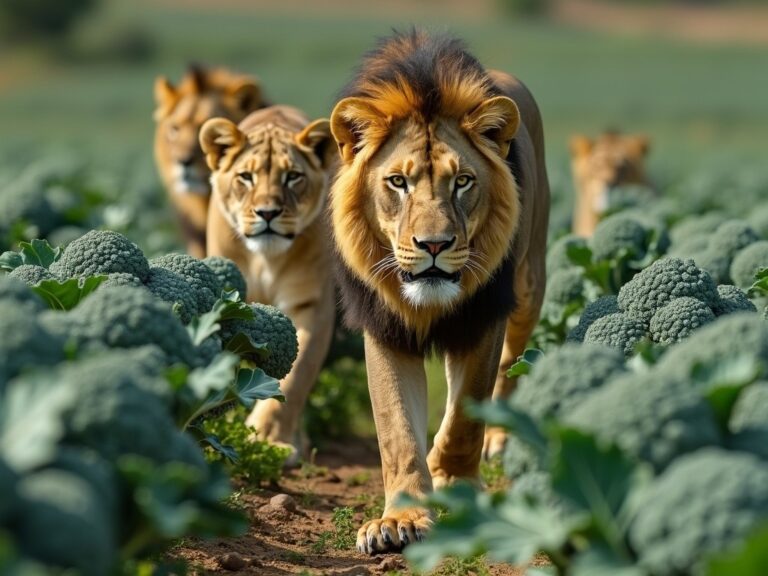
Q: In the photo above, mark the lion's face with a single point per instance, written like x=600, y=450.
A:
x=426, y=209
x=271, y=182
x=609, y=161
x=182, y=111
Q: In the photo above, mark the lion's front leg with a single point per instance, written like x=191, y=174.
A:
x=459, y=441
x=398, y=388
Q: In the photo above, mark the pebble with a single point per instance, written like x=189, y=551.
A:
x=390, y=564
x=283, y=501
x=232, y=561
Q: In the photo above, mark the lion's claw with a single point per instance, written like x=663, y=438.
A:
x=393, y=532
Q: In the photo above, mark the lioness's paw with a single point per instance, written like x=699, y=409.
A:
x=394, y=531
x=494, y=442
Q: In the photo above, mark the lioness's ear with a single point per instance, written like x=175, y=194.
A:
x=246, y=95
x=165, y=96
x=220, y=137
x=354, y=122
x=641, y=143
x=317, y=137
x=497, y=120
x=580, y=145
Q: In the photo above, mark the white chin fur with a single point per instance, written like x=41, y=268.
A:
x=430, y=292
x=268, y=244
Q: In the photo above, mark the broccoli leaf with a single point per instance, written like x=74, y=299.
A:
x=214, y=377
x=253, y=385
x=35, y=252
x=10, y=261
x=243, y=345
x=599, y=560
x=501, y=414
x=229, y=307
x=224, y=449
x=761, y=281
x=524, y=362
x=749, y=559
x=722, y=382
x=68, y=294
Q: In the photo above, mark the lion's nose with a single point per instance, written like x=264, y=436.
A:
x=432, y=245
x=269, y=215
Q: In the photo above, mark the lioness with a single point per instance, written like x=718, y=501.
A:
x=270, y=183
x=202, y=94
x=439, y=213
x=610, y=160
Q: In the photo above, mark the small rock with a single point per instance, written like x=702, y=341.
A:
x=391, y=563
x=333, y=478
x=232, y=561
x=283, y=501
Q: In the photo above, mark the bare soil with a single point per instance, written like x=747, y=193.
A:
x=304, y=540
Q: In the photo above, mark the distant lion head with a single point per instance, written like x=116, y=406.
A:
x=269, y=174
x=181, y=111
x=424, y=206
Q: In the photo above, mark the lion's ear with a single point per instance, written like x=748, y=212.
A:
x=496, y=120
x=354, y=123
x=220, y=137
x=246, y=95
x=317, y=137
x=580, y=145
x=165, y=96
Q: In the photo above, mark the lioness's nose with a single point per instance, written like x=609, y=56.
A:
x=432, y=245
x=269, y=214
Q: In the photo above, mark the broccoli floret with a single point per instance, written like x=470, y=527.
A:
x=663, y=281
x=228, y=274
x=557, y=255
x=127, y=317
x=63, y=524
x=518, y=457
x=751, y=410
x=121, y=279
x=702, y=504
x=593, y=311
x=758, y=219
x=31, y=274
x=24, y=200
x=740, y=333
x=675, y=321
x=617, y=330
x=209, y=349
x=747, y=262
x=619, y=236
x=199, y=276
x=174, y=289
x=732, y=299
x=696, y=226
x=565, y=285
x=101, y=252
x=717, y=265
x=269, y=326
x=563, y=377
x=732, y=236
x=17, y=293
x=652, y=416
x=536, y=486
x=688, y=247
x=25, y=343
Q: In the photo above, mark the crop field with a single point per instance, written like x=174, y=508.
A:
x=638, y=429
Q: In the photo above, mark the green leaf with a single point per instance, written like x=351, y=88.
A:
x=10, y=261
x=524, y=362
x=244, y=346
x=501, y=413
x=39, y=252
x=226, y=308
x=224, y=449
x=761, y=281
x=253, y=385
x=68, y=294
x=749, y=558
x=722, y=382
x=579, y=255
x=600, y=560
x=215, y=377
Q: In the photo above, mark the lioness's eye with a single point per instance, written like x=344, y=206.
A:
x=398, y=182
x=292, y=176
x=245, y=177
x=463, y=182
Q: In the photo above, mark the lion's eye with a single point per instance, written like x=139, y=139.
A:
x=293, y=176
x=246, y=177
x=397, y=182
x=463, y=182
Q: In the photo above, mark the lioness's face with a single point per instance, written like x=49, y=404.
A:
x=274, y=187
x=428, y=199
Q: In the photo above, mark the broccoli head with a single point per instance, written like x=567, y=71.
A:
x=619, y=236
x=557, y=255
x=593, y=311
x=565, y=285
x=617, y=330
x=732, y=299
x=101, y=252
x=747, y=262
x=25, y=200
x=128, y=317
x=650, y=415
x=64, y=524
x=228, y=274
x=662, y=282
x=17, y=293
x=676, y=320
x=751, y=409
x=518, y=457
x=31, y=274
x=562, y=378
x=209, y=349
x=732, y=236
x=121, y=279
x=758, y=219
x=269, y=326
x=199, y=276
x=696, y=226
x=703, y=504
x=174, y=289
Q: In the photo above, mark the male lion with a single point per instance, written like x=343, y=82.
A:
x=439, y=214
x=270, y=183
x=202, y=94
x=610, y=160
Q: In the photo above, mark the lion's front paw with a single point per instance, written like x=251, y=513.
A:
x=394, y=531
x=494, y=442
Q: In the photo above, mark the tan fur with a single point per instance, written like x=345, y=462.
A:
x=293, y=275
x=598, y=165
x=179, y=114
x=375, y=228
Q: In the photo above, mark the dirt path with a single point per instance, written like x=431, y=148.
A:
x=306, y=539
